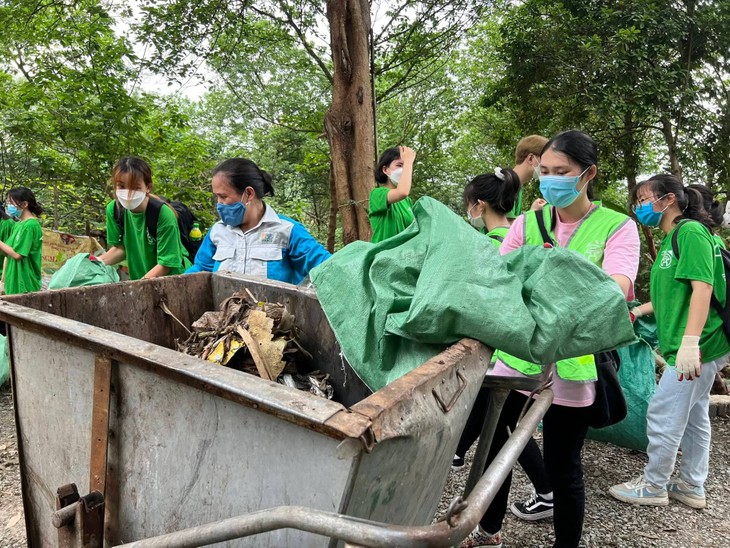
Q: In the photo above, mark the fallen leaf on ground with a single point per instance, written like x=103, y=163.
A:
x=12, y=521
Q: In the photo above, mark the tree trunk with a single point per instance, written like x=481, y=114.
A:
x=349, y=121
x=55, y=204
x=671, y=141
x=332, y=220
x=630, y=148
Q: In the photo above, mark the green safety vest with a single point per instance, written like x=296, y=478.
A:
x=589, y=239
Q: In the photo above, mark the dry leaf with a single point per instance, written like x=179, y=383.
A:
x=13, y=521
x=208, y=321
x=222, y=352
x=261, y=327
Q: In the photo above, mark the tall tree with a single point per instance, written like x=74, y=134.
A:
x=336, y=38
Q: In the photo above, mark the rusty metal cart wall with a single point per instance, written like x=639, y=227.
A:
x=191, y=443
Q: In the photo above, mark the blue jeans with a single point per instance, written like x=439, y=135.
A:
x=678, y=417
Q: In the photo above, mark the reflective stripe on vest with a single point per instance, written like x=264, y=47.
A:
x=589, y=239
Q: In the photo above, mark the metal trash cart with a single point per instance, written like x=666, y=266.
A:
x=168, y=444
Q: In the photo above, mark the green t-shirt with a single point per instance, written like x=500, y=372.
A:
x=388, y=219
x=699, y=260
x=6, y=230
x=517, y=209
x=500, y=232
x=24, y=275
x=143, y=252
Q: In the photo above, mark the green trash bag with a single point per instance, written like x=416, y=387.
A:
x=638, y=380
x=395, y=304
x=80, y=270
x=4, y=361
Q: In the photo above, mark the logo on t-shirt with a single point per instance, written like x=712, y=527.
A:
x=594, y=251
x=666, y=260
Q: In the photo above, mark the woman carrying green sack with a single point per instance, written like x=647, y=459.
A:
x=610, y=240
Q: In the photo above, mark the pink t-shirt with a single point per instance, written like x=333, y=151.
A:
x=621, y=257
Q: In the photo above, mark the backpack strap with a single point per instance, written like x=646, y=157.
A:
x=675, y=237
x=119, y=219
x=500, y=239
x=540, y=216
x=152, y=216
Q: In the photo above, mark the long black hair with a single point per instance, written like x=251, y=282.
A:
x=499, y=193
x=24, y=194
x=689, y=200
x=386, y=158
x=242, y=173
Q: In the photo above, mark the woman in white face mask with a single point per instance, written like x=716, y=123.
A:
x=489, y=198
x=390, y=207
x=150, y=251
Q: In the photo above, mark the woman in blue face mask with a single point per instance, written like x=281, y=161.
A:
x=610, y=240
x=687, y=273
x=251, y=238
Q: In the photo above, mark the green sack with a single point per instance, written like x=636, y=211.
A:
x=638, y=380
x=395, y=304
x=80, y=270
x=4, y=361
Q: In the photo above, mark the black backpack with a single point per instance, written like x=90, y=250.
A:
x=723, y=311
x=185, y=221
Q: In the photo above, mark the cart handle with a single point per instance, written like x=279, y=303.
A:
x=364, y=532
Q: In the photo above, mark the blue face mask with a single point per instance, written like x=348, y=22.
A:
x=232, y=214
x=560, y=190
x=646, y=215
x=13, y=210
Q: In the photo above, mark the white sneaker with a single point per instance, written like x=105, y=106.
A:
x=640, y=492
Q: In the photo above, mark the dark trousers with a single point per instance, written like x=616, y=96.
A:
x=530, y=459
x=564, y=429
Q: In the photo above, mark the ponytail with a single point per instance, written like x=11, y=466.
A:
x=499, y=189
x=712, y=206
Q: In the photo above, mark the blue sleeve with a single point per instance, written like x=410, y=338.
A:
x=204, y=257
x=304, y=251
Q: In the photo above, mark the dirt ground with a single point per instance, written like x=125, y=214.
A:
x=12, y=523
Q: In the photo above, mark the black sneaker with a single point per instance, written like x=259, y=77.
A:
x=534, y=509
x=457, y=463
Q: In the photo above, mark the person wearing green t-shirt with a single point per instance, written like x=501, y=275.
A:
x=23, y=250
x=527, y=165
x=390, y=207
x=691, y=338
x=147, y=257
x=488, y=199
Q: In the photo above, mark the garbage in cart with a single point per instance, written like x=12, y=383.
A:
x=255, y=337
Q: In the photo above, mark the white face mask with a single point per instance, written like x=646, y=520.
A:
x=476, y=222
x=130, y=199
x=726, y=216
x=395, y=175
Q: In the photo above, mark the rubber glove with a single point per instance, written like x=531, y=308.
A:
x=635, y=313
x=688, y=361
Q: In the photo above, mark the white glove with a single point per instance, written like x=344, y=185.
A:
x=688, y=361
